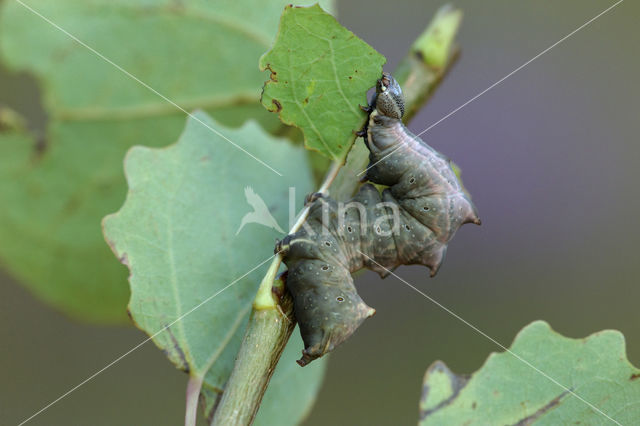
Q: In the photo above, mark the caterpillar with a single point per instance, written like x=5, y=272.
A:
x=410, y=222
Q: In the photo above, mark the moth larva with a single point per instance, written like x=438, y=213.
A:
x=423, y=197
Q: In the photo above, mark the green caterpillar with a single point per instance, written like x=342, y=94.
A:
x=425, y=200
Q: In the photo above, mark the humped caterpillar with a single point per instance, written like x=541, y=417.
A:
x=425, y=200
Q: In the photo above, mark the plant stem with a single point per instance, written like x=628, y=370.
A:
x=271, y=322
x=193, y=391
x=267, y=334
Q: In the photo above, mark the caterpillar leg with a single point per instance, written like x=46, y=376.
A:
x=362, y=133
x=310, y=198
x=282, y=246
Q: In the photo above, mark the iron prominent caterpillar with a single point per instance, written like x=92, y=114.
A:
x=410, y=222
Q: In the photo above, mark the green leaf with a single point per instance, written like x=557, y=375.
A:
x=320, y=72
x=180, y=233
x=58, y=187
x=508, y=391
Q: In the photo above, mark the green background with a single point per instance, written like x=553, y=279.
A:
x=551, y=159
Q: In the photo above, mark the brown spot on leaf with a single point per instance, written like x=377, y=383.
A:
x=635, y=376
x=277, y=104
x=273, y=76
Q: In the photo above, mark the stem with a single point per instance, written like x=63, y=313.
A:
x=267, y=335
x=271, y=323
x=193, y=391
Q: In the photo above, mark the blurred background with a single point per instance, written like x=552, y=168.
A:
x=551, y=158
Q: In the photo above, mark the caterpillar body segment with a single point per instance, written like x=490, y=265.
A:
x=409, y=222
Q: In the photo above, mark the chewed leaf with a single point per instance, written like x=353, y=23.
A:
x=320, y=73
x=196, y=231
x=596, y=384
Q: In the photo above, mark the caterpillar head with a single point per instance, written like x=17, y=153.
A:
x=389, y=99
